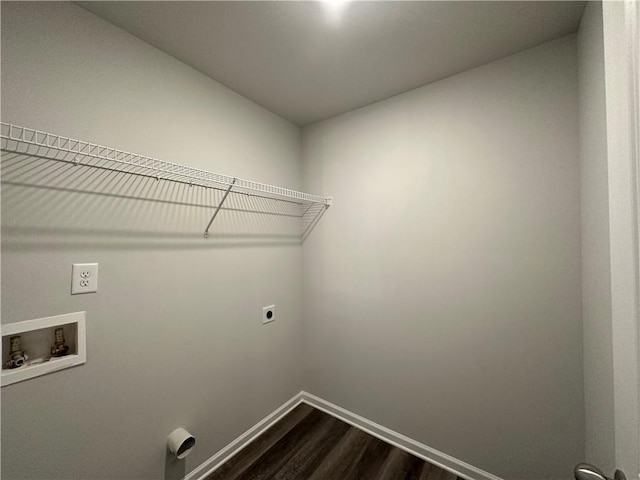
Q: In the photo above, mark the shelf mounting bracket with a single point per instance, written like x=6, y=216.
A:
x=226, y=194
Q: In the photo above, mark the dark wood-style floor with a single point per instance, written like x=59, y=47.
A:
x=308, y=444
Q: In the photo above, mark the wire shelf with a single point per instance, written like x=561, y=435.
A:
x=30, y=142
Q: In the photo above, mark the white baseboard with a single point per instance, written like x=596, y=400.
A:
x=396, y=439
x=210, y=465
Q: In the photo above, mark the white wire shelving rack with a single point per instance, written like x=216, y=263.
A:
x=30, y=142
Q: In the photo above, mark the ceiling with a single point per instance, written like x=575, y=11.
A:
x=310, y=60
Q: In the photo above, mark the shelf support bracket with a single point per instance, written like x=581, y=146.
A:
x=226, y=194
x=315, y=220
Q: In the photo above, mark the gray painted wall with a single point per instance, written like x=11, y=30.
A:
x=443, y=288
x=174, y=335
x=596, y=267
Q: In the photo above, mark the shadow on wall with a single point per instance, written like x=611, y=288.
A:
x=174, y=469
x=52, y=205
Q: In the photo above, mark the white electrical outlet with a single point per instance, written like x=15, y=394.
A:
x=268, y=314
x=84, y=278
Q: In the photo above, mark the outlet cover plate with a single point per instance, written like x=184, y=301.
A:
x=268, y=314
x=84, y=278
